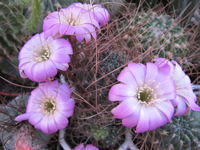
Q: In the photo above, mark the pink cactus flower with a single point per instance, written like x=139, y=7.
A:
x=88, y=147
x=145, y=94
x=49, y=107
x=185, y=94
x=40, y=58
x=101, y=14
x=71, y=21
x=22, y=141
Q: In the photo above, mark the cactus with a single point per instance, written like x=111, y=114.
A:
x=32, y=23
x=181, y=132
x=99, y=133
x=158, y=33
x=12, y=20
x=179, y=6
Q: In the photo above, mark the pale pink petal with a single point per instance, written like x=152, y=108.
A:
x=64, y=92
x=166, y=107
x=52, y=128
x=127, y=78
x=143, y=122
x=123, y=90
x=151, y=73
x=50, y=68
x=181, y=106
x=62, y=66
x=60, y=57
x=60, y=120
x=132, y=120
x=36, y=118
x=24, y=116
x=39, y=72
x=125, y=108
x=80, y=33
x=66, y=105
x=67, y=113
x=139, y=72
x=44, y=125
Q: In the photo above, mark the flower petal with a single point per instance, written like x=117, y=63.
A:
x=123, y=90
x=139, y=72
x=132, y=120
x=143, y=122
x=61, y=120
x=24, y=116
x=125, y=108
x=50, y=68
x=181, y=107
x=35, y=118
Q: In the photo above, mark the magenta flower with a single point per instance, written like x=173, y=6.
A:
x=101, y=14
x=40, y=58
x=71, y=21
x=145, y=94
x=49, y=107
x=88, y=147
x=185, y=94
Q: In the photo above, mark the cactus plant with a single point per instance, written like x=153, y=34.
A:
x=159, y=33
x=12, y=20
x=184, y=8
x=180, y=133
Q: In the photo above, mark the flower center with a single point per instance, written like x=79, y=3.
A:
x=42, y=53
x=69, y=17
x=145, y=94
x=48, y=106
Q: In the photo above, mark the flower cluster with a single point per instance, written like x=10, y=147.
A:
x=40, y=59
x=149, y=94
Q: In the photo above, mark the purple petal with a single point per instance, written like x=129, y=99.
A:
x=48, y=23
x=63, y=66
x=60, y=57
x=181, y=107
x=125, y=108
x=87, y=36
x=66, y=105
x=44, y=125
x=67, y=113
x=64, y=92
x=113, y=97
x=52, y=128
x=127, y=78
x=35, y=118
x=91, y=29
x=132, y=120
x=52, y=90
x=24, y=116
x=166, y=107
x=60, y=43
x=28, y=70
x=39, y=72
x=80, y=33
x=160, y=88
x=191, y=102
x=155, y=119
x=50, y=68
x=151, y=73
x=61, y=120
x=139, y=72
x=123, y=90
x=38, y=93
x=64, y=28
x=143, y=122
